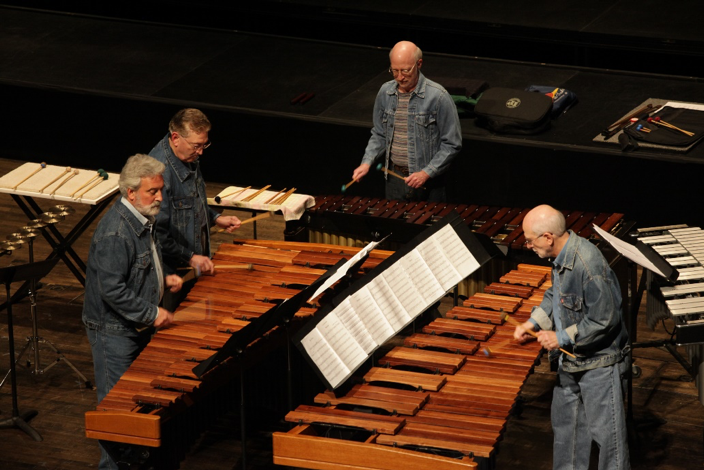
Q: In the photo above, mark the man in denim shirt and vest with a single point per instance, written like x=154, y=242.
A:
x=125, y=282
x=416, y=127
x=581, y=312
x=183, y=224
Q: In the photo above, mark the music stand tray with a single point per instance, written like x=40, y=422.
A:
x=23, y=272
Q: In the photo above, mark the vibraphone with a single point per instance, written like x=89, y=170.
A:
x=160, y=403
x=355, y=221
x=682, y=301
x=436, y=402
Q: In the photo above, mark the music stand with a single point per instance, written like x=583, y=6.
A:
x=23, y=272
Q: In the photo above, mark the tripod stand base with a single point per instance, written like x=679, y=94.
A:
x=21, y=422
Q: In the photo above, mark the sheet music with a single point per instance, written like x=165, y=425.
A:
x=377, y=311
x=629, y=251
x=374, y=316
x=340, y=273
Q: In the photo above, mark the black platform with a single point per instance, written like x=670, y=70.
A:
x=90, y=91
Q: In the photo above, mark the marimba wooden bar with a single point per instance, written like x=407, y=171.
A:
x=355, y=221
x=447, y=393
x=160, y=402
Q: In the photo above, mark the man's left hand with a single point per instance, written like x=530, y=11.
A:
x=417, y=180
x=229, y=223
x=548, y=340
x=173, y=282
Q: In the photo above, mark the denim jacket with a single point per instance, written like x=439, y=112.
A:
x=122, y=286
x=434, y=134
x=184, y=207
x=589, y=307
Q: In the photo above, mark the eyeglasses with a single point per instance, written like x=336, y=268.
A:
x=530, y=242
x=196, y=147
x=404, y=72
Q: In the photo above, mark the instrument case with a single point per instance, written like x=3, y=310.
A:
x=511, y=111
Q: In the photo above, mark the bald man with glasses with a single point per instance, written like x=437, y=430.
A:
x=416, y=128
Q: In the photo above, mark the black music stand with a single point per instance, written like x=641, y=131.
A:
x=236, y=346
x=23, y=272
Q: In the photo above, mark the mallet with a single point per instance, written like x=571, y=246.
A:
x=532, y=333
x=42, y=165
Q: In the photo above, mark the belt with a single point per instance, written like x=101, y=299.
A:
x=400, y=169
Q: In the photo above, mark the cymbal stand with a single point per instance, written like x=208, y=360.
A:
x=7, y=276
x=34, y=340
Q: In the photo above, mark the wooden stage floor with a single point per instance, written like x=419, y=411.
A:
x=668, y=417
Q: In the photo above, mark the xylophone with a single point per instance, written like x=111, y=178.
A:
x=160, y=403
x=441, y=400
x=682, y=301
x=355, y=221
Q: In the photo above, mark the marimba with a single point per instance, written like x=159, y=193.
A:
x=355, y=221
x=160, y=403
x=436, y=402
x=32, y=181
x=682, y=301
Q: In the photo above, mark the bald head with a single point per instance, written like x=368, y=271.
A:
x=543, y=219
x=406, y=51
x=406, y=60
x=545, y=232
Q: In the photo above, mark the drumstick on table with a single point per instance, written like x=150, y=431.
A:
x=75, y=172
x=283, y=198
x=96, y=183
x=532, y=333
x=274, y=196
x=101, y=174
x=66, y=171
x=234, y=193
x=42, y=165
x=255, y=194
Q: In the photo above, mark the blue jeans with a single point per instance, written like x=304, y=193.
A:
x=588, y=406
x=112, y=356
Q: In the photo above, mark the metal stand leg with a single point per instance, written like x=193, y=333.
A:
x=34, y=341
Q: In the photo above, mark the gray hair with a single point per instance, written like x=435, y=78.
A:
x=137, y=167
x=189, y=120
x=417, y=53
x=550, y=220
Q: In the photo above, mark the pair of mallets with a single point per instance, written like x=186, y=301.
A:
x=487, y=349
x=378, y=167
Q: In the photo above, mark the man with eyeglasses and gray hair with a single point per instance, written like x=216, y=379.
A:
x=125, y=282
x=183, y=224
x=416, y=128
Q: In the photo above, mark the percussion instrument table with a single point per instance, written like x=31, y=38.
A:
x=32, y=181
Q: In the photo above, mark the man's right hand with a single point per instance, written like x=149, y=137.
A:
x=203, y=264
x=360, y=172
x=164, y=318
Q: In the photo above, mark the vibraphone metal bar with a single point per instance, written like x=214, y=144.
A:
x=682, y=301
x=159, y=402
x=437, y=402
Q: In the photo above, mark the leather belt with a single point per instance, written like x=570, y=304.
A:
x=403, y=170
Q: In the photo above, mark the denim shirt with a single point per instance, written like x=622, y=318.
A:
x=122, y=284
x=583, y=306
x=434, y=133
x=183, y=210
